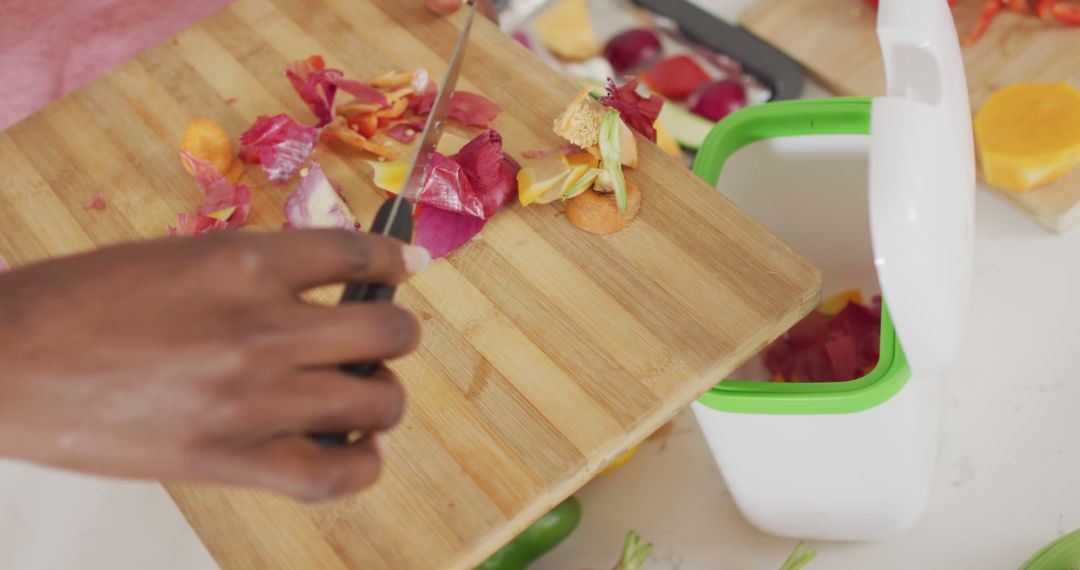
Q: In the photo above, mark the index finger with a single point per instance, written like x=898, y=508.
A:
x=303, y=259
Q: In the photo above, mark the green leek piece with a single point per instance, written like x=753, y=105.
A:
x=799, y=557
x=635, y=552
x=582, y=184
x=611, y=155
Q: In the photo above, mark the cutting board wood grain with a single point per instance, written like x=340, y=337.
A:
x=835, y=40
x=546, y=352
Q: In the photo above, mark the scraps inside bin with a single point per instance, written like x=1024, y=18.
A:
x=839, y=341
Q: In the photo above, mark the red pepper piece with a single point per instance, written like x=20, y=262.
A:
x=367, y=124
x=676, y=77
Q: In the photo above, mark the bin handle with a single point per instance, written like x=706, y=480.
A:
x=832, y=116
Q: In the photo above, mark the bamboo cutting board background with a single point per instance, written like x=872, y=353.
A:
x=835, y=40
x=546, y=351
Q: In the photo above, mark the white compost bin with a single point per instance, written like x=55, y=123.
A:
x=879, y=193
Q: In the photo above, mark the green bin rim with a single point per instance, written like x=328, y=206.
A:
x=834, y=116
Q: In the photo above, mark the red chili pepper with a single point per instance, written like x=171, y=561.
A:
x=874, y=3
x=676, y=77
x=249, y=155
x=316, y=61
x=367, y=124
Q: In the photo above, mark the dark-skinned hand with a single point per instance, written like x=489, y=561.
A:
x=196, y=360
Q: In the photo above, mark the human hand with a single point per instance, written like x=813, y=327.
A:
x=195, y=359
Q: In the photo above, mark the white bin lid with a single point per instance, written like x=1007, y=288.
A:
x=922, y=181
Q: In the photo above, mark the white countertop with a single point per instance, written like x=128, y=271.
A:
x=1006, y=480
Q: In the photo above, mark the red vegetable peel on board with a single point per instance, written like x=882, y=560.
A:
x=317, y=86
x=220, y=195
x=281, y=144
x=96, y=202
x=405, y=132
x=639, y=113
x=447, y=188
x=462, y=192
x=491, y=173
x=442, y=232
x=467, y=108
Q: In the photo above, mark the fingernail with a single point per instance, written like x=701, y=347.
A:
x=380, y=445
x=417, y=259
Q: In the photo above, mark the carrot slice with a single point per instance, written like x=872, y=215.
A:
x=207, y=141
x=598, y=213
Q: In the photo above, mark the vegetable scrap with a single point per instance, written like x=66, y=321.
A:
x=317, y=86
x=538, y=539
x=467, y=108
x=637, y=112
x=317, y=203
x=207, y=141
x=1061, y=11
x=718, y=99
x=467, y=189
x=460, y=194
x=598, y=197
x=676, y=77
x=632, y=48
x=441, y=231
x=96, y=202
x=567, y=31
x=619, y=461
x=279, y=144
x=838, y=342
x=634, y=553
x=1028, y=134
x=799, y=557
x=612, y=160
x=543, y=153
x=490, y=172
x=191, y=225
x=598, y=213
x=225, y=203
x=405, y=132
x=546, y=179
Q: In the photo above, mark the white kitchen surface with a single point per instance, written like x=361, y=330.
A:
x=1006, y=479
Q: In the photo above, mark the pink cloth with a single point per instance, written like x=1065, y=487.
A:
x=50, y=47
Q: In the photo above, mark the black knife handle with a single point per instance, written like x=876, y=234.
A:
x=399, y=226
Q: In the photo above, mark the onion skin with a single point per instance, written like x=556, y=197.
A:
x=632, y=48
x=718, y=99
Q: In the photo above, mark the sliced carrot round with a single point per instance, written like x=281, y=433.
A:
x=598, y=213
x=206, y=140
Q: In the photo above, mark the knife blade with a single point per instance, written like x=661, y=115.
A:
x=395, y=217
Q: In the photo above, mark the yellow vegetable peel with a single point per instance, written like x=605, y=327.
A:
x=390, y=176
x=1028, y=134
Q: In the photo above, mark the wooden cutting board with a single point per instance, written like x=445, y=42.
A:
x=546, y=351
x=835, y=40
